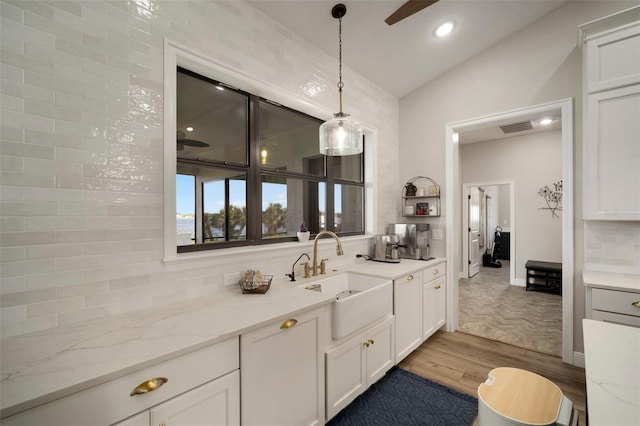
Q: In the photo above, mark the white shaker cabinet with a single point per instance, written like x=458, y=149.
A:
x=216, y=403
x=407, y=308
x=282, y=366
x=202, y=388
x=433, y=299
x=357, y=363
x=611, y=111
x=612, y=164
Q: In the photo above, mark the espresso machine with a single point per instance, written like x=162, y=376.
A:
x=386, y=248
x=414, y=239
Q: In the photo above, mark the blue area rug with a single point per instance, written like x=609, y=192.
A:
x=402, y=398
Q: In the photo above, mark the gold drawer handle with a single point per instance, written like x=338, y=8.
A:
x=371, y=341
x=437, y=287
x=149, y=386
x=435, y=272
x=410, y=277
x=636, y=304
x=289, y=323
x=366, y=344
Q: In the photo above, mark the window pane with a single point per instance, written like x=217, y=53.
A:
x=211, y=123
x=286, y=203
x=224, y=208
x=185, y=209
x=349, y=210
x=289, y=140
x=348, y=167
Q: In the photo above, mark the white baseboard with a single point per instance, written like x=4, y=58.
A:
x=578, y=359
x=520, y=282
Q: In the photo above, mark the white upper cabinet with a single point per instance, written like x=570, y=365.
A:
x=611, y=112
x=613, y=59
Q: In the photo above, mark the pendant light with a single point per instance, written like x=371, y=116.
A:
x=340, y=135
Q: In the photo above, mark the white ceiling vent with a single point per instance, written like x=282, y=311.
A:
x=517, y=127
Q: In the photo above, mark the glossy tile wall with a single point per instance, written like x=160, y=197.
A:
x=612, y=246
x=82, y=150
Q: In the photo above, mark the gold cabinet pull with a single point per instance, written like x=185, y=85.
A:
x=289, y=323
x=366, y=344
x=435, y=271
x=149, y=386
x=437, y=287
x=410, y=277
x=636, y=303
x=371, y=341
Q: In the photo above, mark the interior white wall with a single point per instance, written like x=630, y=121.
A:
x=82, y=151
x=531, y=161
x=539, y=64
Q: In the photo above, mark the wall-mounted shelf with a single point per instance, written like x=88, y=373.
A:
x=421, y=198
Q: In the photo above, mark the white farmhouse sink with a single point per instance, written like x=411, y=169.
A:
x=360, y=300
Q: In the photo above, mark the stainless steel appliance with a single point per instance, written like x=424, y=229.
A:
x=414, y=240
x=386, y=248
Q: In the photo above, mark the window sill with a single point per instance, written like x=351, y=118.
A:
x=253, y=250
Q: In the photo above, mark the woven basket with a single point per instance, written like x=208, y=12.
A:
x=256, y=287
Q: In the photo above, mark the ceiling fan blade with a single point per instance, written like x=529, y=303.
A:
x=408, y=9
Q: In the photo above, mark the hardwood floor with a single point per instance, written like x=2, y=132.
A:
x=462, y=362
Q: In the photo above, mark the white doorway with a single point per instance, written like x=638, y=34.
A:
x=454, y=199
x=490, y=227
x=473, y=231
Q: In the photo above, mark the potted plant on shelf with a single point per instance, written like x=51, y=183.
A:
x=303, y=233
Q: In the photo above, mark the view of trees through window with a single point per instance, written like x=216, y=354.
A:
x=249, y=171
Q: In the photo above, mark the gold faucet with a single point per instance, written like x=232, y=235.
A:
x=339, y=252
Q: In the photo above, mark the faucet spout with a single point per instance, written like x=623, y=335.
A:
x=339, y=250
x=292, y=275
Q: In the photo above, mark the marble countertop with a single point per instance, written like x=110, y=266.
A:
x=43, y=366
x=612, y=370
x=612, y=281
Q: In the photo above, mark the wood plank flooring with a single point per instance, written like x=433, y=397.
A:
x=462, y=362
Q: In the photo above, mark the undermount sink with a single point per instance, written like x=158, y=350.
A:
x=360, y=300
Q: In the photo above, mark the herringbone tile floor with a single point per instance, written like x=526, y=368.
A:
x=491, y=308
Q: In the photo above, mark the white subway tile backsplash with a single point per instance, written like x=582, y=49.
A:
x=52, y=251
x=13, y=239
x=27, y=297
x=12, y=254
x=74, y=317
x=13, y=314
x=82, y=85
x=29, y=325
x=55, y=279
x=611, y=246
x=55, y=307
x=12, y=285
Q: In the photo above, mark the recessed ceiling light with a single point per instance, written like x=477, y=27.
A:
x=189, y=129
x=545, y=121
x=444, y=29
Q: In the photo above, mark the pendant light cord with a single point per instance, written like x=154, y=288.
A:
x=340, y=83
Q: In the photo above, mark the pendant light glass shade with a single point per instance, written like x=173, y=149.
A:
x=340, y=136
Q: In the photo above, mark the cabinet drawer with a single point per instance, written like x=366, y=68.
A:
x=110, y=402
x=434, y=272
x=620, y=302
